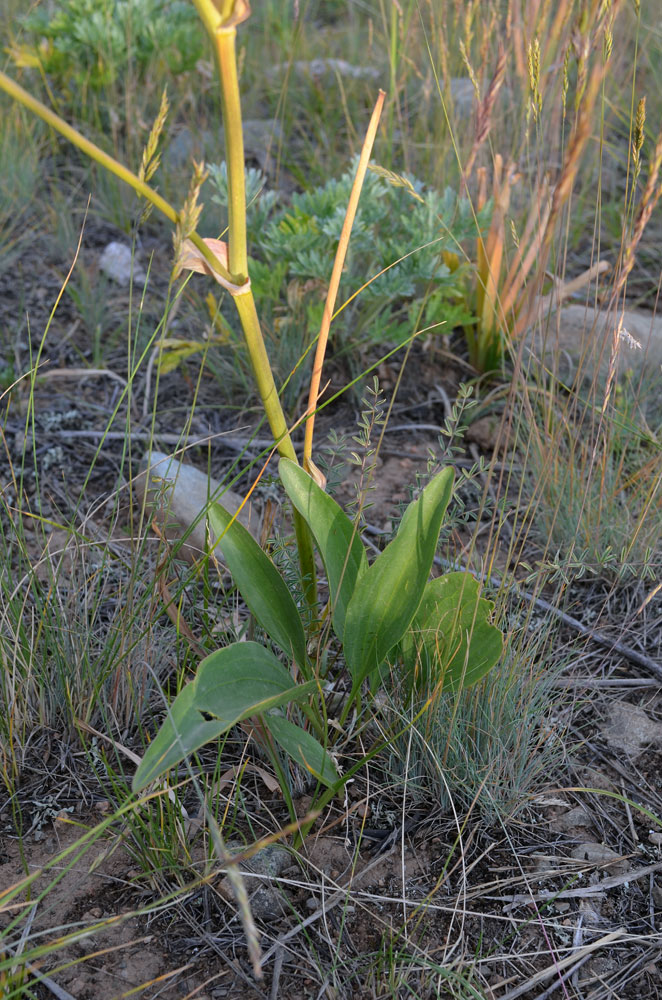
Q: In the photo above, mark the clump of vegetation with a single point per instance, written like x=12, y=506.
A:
x=90, y=45
x=389, y=292
x=409, y=670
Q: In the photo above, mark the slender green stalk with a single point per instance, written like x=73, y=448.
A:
x=221, y=27
x=257, y=352
x=105, y=160
x=245, y=303
x=234, y=153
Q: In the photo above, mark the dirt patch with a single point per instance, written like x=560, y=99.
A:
x=102, y=943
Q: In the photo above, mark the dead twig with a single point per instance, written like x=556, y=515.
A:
x=549, y=895
x=569, y=961
x=228, y=439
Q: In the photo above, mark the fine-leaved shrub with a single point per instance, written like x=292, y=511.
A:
x=395, y=255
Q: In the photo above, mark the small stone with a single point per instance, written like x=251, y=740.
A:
x=119, y=264
x=264, y=895
x=604, y=857
x=178, y=493
x=630, y=729
x=574, y=821
x=487, y=433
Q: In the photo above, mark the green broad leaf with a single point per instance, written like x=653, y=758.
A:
x=232, y=684
x=242, y=680
x=303, y=748
x=451, y=641
x=260, y=584
x=336, y=537
x=184, y=731
x=389, y=592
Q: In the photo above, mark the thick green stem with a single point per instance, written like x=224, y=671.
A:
x=245, y=303
x=108, y=162
x=225, y=39
x=257, y=352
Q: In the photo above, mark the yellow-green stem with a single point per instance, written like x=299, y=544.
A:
x=105, y=160
x=225, y=39
x=245, y=303
x=257, y=352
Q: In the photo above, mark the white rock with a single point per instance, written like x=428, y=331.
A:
x=578, y=339
x=320, y=68
x=463, y=94
x=177, y=493
x=115, y=262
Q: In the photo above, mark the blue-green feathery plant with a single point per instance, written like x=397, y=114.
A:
x=401, y=229
x=89, y=43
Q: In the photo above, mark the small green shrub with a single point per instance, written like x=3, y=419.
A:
x=401, y=229
x=91, y=43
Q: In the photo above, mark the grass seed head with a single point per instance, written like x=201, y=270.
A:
x=533, y=63
x=638, y=137
x=190, y=213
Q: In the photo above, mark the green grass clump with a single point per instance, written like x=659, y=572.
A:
x=491, y=747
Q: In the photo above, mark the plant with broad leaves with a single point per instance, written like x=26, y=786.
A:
x=382, y=612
